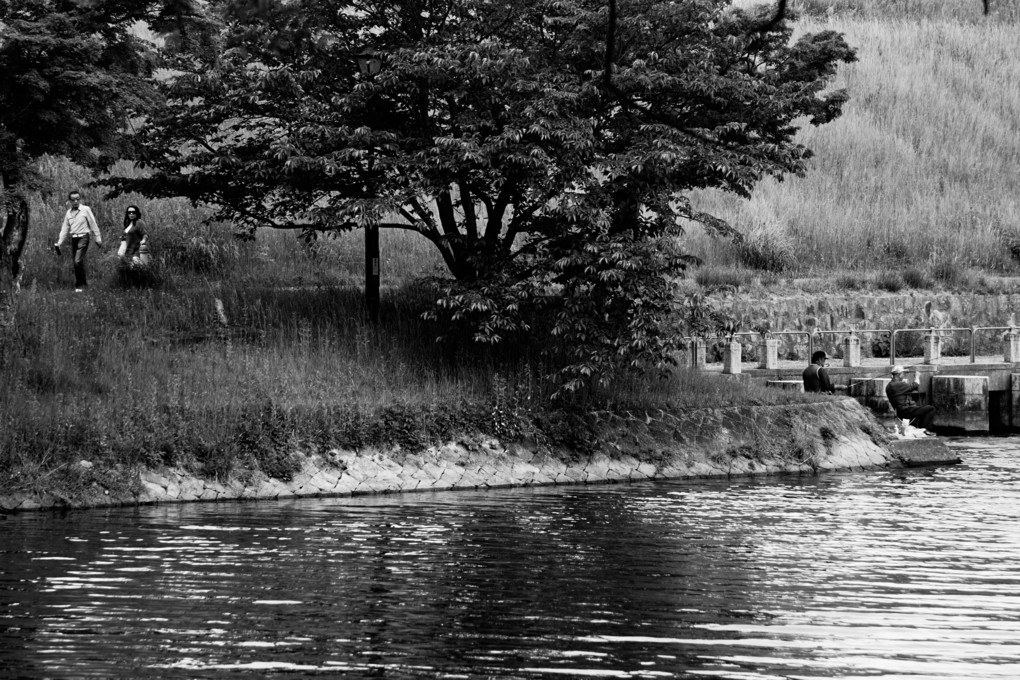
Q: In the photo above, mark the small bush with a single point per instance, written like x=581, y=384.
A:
x=890, y=281
x=913, y=277
x=850, y=282
x=949, y=273
x=1010, y=239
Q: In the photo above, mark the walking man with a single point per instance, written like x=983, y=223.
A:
x=80, y=225
x=900, y=394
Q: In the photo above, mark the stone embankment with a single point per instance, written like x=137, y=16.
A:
x=710, y=443
x=868, y=310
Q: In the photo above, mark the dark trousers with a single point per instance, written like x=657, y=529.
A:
x=79, y=246
x=919, y=416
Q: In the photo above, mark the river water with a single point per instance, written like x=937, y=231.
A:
x=893, y=574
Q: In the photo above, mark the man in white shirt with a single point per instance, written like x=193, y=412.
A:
x=80, y=225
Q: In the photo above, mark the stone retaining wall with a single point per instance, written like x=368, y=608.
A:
x=806, y=312
x=803, y=439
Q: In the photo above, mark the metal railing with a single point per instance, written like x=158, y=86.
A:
x=751, y=334
x=896, y=332
x=856, y=331
x=977, y=329
x=971, y=332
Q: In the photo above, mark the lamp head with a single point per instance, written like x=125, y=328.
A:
x=369, y=62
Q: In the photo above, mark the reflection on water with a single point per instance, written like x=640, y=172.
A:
x=907, y=574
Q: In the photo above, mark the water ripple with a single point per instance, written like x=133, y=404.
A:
x=900, y=574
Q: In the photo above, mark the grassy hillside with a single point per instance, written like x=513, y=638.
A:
x=920, y=170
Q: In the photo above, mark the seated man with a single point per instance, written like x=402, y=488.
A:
x=900, y=392
x=816, y=378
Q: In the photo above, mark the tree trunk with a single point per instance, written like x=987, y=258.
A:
x=12, y=243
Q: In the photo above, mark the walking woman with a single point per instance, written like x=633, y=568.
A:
x=133, y=237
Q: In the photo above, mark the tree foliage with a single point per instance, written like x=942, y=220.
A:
x=545, y=147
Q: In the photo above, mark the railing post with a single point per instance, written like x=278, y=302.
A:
x=769, y=350
x=932, y=346
x=1011, y=346
x=852, y=350
x=732, y=356
x=892, y=346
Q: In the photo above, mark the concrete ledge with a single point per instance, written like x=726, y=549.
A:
x=927, y=451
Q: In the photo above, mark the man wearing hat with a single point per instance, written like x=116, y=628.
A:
x=816, y=378
x=900, y=394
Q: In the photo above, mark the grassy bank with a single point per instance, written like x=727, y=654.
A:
x=919, y=170
x=123, y=378
x=229, y=356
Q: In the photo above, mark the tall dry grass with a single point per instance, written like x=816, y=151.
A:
x=123, y=376
x=921, y=167
x=299, y=308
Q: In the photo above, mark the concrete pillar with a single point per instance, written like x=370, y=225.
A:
x=1014, y=402
x=769, y=350
x=932, y=347
x=851, y=351
x=732, y=355
x=795, y=385
x=1011, y=346
x=696, y=353
x=960, y=401
x=871, y=393
x=923, y=375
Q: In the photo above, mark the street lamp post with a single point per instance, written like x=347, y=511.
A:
x=370, y=64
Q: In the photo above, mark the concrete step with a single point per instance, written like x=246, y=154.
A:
x=927, y=451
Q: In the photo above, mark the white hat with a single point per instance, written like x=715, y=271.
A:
x=897, y=369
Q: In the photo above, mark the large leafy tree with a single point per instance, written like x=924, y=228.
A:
x=70, y=73
x=544, y=146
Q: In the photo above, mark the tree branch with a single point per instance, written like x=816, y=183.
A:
x=607, y=68
x=520, y=216
x=495, y=224
x=470, y=221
